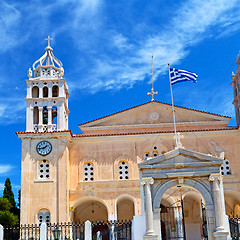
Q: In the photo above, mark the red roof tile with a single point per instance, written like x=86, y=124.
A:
x=25, y=132
x=142, y=133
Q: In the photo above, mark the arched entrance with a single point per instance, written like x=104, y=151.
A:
x=198, y=176
x=232, y=202
x=181, y=214
x=94, y=211
x=125, y=208
x=91, y=210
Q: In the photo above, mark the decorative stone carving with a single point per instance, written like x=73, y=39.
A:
x=61, y=72
x=154, y=116
x=144, y=181
x=178, y=138
x=214, y=177
x=29, y=73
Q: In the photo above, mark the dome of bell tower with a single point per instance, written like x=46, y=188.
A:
x=47, y=65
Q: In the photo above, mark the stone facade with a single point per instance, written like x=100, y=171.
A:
x=94, y=175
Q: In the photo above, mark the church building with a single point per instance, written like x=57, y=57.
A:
x=127, y=164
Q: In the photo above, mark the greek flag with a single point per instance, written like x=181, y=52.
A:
x=178, y=75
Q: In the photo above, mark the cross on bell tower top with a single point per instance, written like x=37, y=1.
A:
x=48, y=40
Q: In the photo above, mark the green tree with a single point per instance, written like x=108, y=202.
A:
x=8, y=193
x=7, y=217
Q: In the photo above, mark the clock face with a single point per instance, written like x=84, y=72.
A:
x=44, y=148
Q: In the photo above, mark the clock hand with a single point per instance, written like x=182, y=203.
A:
x=42, y=147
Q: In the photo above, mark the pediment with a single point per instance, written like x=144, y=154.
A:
x=180, y=162
x=154, y=114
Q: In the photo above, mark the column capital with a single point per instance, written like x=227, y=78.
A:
x=214, y=177
x=40, y=108
x=149, y=180
x=157, y=210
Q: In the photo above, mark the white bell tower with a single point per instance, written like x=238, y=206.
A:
x=47, y=95
x=236, y=90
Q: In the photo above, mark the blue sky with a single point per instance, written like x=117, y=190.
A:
x=106, y=48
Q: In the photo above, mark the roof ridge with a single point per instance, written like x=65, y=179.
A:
x=109, y=115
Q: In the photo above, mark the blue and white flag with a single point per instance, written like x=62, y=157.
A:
x=178, y=75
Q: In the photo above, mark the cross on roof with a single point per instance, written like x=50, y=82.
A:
x=152, y=90
x=152, y=93
x=48, y=39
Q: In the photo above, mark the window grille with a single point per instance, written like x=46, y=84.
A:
x=44, y=216
x=123, y=170
x=44, y=171
x=225, y=167
x=88, y=172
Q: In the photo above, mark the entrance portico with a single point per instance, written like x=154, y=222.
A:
x=186, y=169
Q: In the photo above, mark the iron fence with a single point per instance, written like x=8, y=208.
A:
x=234, y=227
x=118, y=230
x=22, y=232
x=70, y=230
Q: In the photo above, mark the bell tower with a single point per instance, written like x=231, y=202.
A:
x=47, y=95
x=236, y=90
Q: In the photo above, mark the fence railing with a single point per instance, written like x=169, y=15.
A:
x=234, y=223
x=101, y=230
x=112, y=230
x=68, y=230
x=25, y=231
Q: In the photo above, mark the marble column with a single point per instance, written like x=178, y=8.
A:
x=210, y=221
x=219, y=208
x=148, y=205
x=40, y=119
x=29, y=119
x=49, y=119
x=157, y=222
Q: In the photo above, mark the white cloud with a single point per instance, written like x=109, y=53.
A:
x=194, y=21
x=125, y=58
x=11, y=110
x=5, y=168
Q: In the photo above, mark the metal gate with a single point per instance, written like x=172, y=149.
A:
x=204, y=222
x=172, y=223
x=234, y=227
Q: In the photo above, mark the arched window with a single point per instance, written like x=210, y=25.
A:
x=45, y=92
x=225, y=168
x=54, y=115
x=44, y=169
x=123, y=170
x=88, y=172
x=44, y=216
x=55, y=91
x=45, y=115
x=35, y=115
x=35, y=92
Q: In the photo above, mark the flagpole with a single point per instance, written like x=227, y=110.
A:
x=174, y=120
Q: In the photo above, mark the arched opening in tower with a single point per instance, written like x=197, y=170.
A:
x=35, y=92
x=55, y=91
x=45, y=92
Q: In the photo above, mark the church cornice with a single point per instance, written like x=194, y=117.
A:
x=216, y=130
x=154, y=125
